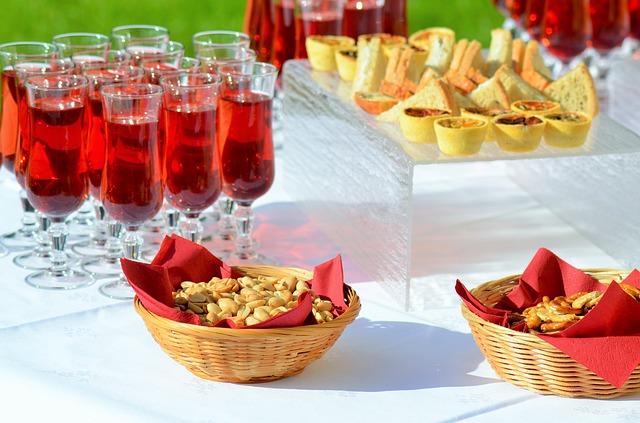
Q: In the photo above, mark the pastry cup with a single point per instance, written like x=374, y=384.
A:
x=346, y=59
x=518, y=133
x=534, y=107
x=321, y=50
x=417, y=123
x=566, y=129
x=459, y=135
x=487, y=114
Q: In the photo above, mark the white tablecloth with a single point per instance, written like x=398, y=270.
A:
x=77, y=356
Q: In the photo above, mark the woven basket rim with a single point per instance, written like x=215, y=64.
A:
x=343, y=319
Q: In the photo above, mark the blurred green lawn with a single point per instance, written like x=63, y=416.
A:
x=39, y=20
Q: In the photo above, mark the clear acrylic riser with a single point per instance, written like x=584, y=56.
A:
x=362, y=183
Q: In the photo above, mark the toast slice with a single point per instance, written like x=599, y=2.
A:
x=534, y=79
x=427, y=77
x=464, y=102
x=476, y=76
x=460, y=82
x=575, y=91
x=532, y=59
x=370, y=66
x=458, y=53
x=490, y=94
x=499, y=50
x=472, y=58
x=516, y=87
x=440, y=52
x=517, y=55
x=395, y=82
x=375, y=103
x=437, y=94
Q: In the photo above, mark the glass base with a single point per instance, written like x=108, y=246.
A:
x=118, y=289
x=71, y=279
x=4, y=251
x=102, y=266
x=19, y=241
x=89, y=248
x=31, y=261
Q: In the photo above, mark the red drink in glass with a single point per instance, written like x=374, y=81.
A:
x=566, y=28
x=395, y=17
x=517, y=9
x=634, y=18
x=22, y=146
x=610, y=23
x=284, y=41
x=533, y=14
x=9, y=125
x=246, y=145
x=57, y=179
x=315, y=23
x=97, y=146
x=362, y=17
x=132, y=182
x=192, y=169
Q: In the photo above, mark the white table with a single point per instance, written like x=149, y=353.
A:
x=77, y=356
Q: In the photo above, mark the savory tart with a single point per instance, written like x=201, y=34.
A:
x=321, y=50
x=533, y=107
x=566, y=129
x=417, y=123
x=459, y=135
x=487, y=114
x=518, y=132
x=346, y=58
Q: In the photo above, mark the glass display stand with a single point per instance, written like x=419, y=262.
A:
x=354, y=176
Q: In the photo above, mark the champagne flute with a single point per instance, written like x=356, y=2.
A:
x=40, y=256
x=246, y=146
x=192, y=163
x=105, y=241
x=610, y=21
x=566, y=31
x=132, y=185
x=57, y=177
x=10, y=53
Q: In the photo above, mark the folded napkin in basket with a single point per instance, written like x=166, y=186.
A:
x=606, y=340
x=180, y=260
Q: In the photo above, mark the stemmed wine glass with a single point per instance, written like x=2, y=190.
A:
x=246, y=146
x=132, y=185
x=57, y=177
x=10, y=53
x=192, y=163
x=105, y=241
x=40, y=256
x=534, y=11
x=610, y=21
x=566, y=31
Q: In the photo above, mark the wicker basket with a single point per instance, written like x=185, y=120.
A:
x=248, y=355
x=526, y=361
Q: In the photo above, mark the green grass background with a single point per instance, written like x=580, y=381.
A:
x=39, y=20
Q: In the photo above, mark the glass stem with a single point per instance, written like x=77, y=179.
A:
x=226, y=224
x=132, y=243
x=43, y=244
x=113, y=245
x=172, y=219
x=100, y=232
x=191, y=228
x=58, y=233
x=244, y=219
x=29, y=222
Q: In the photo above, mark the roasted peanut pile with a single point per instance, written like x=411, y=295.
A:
x=554, y=315
x=247, y=301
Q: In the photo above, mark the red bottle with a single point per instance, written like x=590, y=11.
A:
x=259, y=21
x=284, y=35
x=362, y=17
x=395, y=17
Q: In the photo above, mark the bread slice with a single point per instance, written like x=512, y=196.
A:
x=532, y=59
x=472, y=58
x=438, y=94
x=427, y=77
x=516, y=87
x=575, y=91
x=464, y=102
x=499, y=50
x=440, y=52
x=517, y=55
x=460, y=82
x=374, y=103
x=490, y=94
x=458, y=53
x=417, y=64
x=476, y=76
x=370, y=66
x=534, y=79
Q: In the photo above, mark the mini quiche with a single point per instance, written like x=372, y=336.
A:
x=518, y=133
x=321, y=50
x=533, y=107
x=459, y=135
x=487, y=114
x=346, y=58
x=566, y=129
x=417, y=123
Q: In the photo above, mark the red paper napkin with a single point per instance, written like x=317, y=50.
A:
x=181, y=260
x=606, y=340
